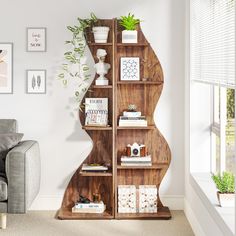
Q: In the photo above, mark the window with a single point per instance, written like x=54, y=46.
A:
x=223, y=130
x=212, y=55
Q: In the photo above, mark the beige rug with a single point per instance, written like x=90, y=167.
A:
x=43, y=223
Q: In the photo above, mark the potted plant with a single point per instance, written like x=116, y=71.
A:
x=75, y=66
x=100, y=33
x=130, y=34
x=225, y=184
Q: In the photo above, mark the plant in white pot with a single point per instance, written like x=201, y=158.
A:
x=225, y=184
x=130, y=34
x=100, y=34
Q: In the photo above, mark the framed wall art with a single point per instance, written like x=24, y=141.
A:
x=6, y=68
x=36, y=40
x=129, y=68
x=36, y=81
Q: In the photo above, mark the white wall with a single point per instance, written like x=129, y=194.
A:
x=49, y=118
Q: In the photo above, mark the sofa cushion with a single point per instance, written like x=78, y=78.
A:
x=7, y=141
x=3, y=189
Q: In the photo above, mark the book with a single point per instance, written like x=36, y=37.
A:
x=92, y=167
x=132, y=113
x=136, y=159
x=89, y=208
x=136, y=164
x=124, y=123
x=96, y=111
x=132, y=118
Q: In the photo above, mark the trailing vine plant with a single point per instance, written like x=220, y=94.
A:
x=76, y=57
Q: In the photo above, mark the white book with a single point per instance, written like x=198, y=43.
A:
x=89, y=205
x=87, y=167
x=133, y=124
x=136, y=159
x=137, y=164
x=132, y=113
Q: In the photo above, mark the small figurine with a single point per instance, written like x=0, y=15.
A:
x=101, y=67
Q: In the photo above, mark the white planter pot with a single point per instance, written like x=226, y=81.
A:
x=129, y=36
x=226, y=199
x=100, y=34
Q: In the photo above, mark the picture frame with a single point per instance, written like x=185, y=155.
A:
x=6, y=68
x=130, y=68
x=36, y=81
x=36, y=39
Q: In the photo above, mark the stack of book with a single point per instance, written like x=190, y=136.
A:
x=131, y=118
x=89, y=207
x=94, y=168
x=136, y=161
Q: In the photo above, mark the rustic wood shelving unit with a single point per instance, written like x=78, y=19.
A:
x=110, y=141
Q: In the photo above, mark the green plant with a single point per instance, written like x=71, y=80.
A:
x=75, y=66
x=225, y=182
x=129, y=22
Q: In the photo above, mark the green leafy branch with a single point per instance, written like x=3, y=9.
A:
x=76, y=55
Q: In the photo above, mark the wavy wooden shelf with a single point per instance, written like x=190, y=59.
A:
x=109, y=146
x=91, y=174
x=140, y=82
x=132, y=44
x=66, y=214
x=102, y=86
x=97, y=127
x=163, y=213
x=136, y=127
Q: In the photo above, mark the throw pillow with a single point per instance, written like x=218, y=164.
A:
x=7, y=141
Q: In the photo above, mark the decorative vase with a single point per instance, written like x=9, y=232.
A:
x=100, y=34
x=226, y=199
x=129, y=36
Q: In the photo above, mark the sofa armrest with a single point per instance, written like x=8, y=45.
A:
x=23, y=175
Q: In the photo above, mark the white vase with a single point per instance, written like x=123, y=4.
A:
x=100, y=34
x=226, y=199
x=129, y=36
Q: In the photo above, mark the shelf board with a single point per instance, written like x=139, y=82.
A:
x=90, y=173
x=132, y=44
x=136, y=127
x=141, y=82
x=102, y=86
x=153, y=167
x=163, y=213
x=66, y=214
x=97, y=127
x=100, y=44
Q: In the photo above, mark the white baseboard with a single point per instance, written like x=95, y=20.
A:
x=174, y=202
x=53, y=202
x=196, y=227
x=47, y=202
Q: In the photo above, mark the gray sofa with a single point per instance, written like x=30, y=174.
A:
x=21, y=184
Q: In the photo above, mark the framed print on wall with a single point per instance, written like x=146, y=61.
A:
x=129, y=68
x=6, y=68
x=36, y=39
x=36, y=81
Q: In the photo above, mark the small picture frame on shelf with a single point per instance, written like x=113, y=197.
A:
x=36, y=39
x=130, y=68
x=36, y=81
x=6, y=65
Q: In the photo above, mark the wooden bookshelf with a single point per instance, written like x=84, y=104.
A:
x=109, y=142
